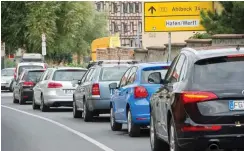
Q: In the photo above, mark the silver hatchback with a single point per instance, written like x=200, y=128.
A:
x=92, y=96
x=55, y=88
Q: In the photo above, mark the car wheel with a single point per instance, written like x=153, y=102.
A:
x=11, y=87
x=114, y=125
x=173, y=144
x=43, y=107
x=133, y=129
x=156, y=143
x=14, y=99
x=86, y=113
x=76, y=113
x=21, y=100
x=34, y=105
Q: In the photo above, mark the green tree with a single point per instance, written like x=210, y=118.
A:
x=70, y=27
x=231, y=20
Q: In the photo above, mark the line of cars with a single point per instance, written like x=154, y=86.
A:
x=194, y=103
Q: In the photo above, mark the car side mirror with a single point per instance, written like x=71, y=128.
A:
x=113, y=86
x=155, y=78
x=79, y=82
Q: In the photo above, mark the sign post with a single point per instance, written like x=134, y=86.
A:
x=169, y=46
x=44, y=51
x=174, y=16
x=2, y=54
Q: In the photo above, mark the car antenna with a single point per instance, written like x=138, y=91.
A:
x=238, y=48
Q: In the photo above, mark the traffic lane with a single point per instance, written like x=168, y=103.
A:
x=99, y=129
x=27, y=133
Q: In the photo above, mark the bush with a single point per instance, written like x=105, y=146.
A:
x=9, y=63
x=201, y=36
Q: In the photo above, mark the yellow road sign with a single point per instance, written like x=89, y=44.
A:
x=174, y=16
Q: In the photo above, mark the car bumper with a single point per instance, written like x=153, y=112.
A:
x=140, y=112
x=223, y=142
x=96, y=103
x=56, y=101
x=5, y=86
x=27, y=94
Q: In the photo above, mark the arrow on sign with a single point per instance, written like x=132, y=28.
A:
x=152, y=9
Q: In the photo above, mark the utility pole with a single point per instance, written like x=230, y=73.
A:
x=44, y=50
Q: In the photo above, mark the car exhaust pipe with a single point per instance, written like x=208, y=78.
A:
x=213, y=147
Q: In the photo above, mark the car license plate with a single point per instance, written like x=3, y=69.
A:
x=69, y=91
x=236, y=105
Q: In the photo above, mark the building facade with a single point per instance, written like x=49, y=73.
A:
x=125, y=18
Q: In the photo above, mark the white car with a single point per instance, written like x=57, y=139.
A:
x=55, y=87
x=7, y=76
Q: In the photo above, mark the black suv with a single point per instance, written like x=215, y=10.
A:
x=201, y=104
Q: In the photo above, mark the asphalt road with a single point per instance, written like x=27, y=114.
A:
x=27, y=130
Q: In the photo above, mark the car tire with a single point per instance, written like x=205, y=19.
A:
x=133, y=129
x=11, y=87
x=87, y=114
x=173, y=144
x=21, y=100
x=43, y=106
x=34, y=105
x=14, y=99
x=113, y=124
x=156, y=143
x=76, y=113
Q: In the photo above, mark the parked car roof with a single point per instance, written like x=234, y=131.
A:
x=214, y=51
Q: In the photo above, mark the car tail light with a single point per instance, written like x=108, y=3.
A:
x=15, y=73
x=95, y=89
x=45, y=66
x=197, y=96
x=200, y=128
x=54, y=85
x=28, y=83
x=236, y=56
x=140, y=92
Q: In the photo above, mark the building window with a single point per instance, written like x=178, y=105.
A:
x=132, y=43
x=140, y=27
x=132, y=26
x=98, y=6
x=125, y=7
x=114, y=27
x=137, y=7
x=131, y=8
x=114, y=8
x=140, y=7
x=124, y=28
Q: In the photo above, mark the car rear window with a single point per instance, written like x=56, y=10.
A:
x=218, y=73
x=33, y=75
x=147, y=71
x=21, y=68
x=112, y=73
x=7, y=72
x=68, y=75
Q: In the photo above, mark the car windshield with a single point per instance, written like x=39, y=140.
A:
x=219, y=73
x=7, y=72
x=112, y=73
x=33, y=75
x=21, y=68
x=148, y=71
x=68, y=75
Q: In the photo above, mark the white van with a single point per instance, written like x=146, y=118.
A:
x=28, y=65
x=32, y=57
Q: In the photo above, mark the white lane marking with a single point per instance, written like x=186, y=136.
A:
x=89, y=139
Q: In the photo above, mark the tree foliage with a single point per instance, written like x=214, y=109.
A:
x=231, y=20
x=70, y=27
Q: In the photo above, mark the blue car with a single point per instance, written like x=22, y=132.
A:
x=130, y=98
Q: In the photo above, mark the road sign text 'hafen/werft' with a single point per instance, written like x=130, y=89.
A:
x=174, y=16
